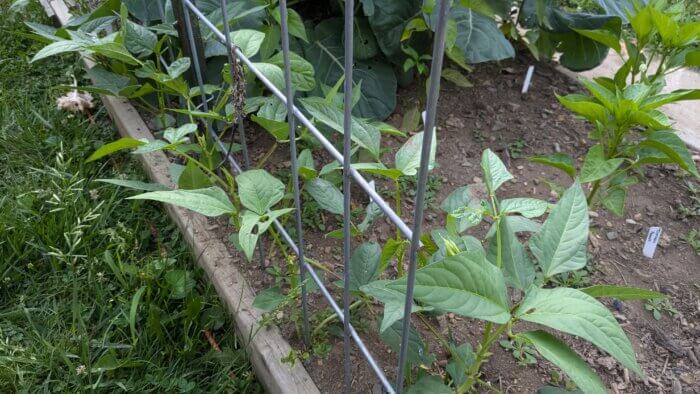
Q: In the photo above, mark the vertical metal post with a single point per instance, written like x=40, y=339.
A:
x=295, y=168
x=431, y=109
x=347, y=242
x=191, y=48
x=195, y=58
x=232, y=63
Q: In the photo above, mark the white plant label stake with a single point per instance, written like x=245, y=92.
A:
x=651, y=242
x=528, y=78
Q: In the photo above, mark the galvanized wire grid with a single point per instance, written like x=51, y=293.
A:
x=349, y=173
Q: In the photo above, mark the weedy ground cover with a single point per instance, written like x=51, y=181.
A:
x=96, y=293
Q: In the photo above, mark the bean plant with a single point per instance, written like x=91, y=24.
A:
x=628, y=127
x=466, y=279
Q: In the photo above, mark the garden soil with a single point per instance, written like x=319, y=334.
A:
x=493, y=114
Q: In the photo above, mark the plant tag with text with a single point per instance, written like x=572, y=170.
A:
x=651, y=242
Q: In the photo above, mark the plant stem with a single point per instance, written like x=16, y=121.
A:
x=592, y=193
x=269, y=153
x=482, y=355
x=334, y=316
x=397, y=204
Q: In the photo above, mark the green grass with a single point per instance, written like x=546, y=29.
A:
x=96, y=293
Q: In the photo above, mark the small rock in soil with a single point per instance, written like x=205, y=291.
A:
x=665, y=241
x=630, y=221
x=606, y=362
x=593, y=214
x=455, y=122
x=611, y=235
x=477, y=180
x=637, y=216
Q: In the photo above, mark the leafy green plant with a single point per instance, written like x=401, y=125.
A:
x=465, y=279
x=693, y=240
x=693, y=210
x=522, y=352
x=247, y=199
x=617, y=107
x=660, y=307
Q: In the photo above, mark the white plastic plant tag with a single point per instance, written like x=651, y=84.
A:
x=651, y=242
x=528, y=78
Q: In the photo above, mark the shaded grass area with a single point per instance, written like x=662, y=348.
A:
x=96, y=292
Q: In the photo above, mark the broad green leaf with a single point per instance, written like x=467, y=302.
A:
x=134, y=184
x=462, y=357
x=279, y=130
x=393, y=302
x=409, y=155
x=614, y=200
x=364, y=264
x=376, y=78
x=445, y=240
x=247, y=40
x=178, y=67
x=378, y=169
x=559, y=243
x=528, y=207
x=107, y=80
x=303, y=78
x=211, y=201
x=692, y=59
x=563, y=357
x=596, y=166
x=429, y=384
x=363, y=133
x=561, y=161
x=326, y=195
x=460, y=284
x=258, y=190
x=585, y=106
x=152, y=146
x=272, y=72
x=658, y=100
x=672, y=146
x=666, y=26
x=269, y=299
x=640, y=22
x=576, y=313
x=601, y=93
x=456, y=77
x=621, y=292
x=120, y=144
x=138, y=39
x=416, y=348
x=176, y=135
x=466, y=201
x=495, y=172
x=518, y=268
x=114, y=51
x=364, y=43
x=193, y=177
x=59, y=47
x=294, y=22
x=247, y=236
x=392, y=248
x=389, y=20
x=608, y=34
x=478, y=38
